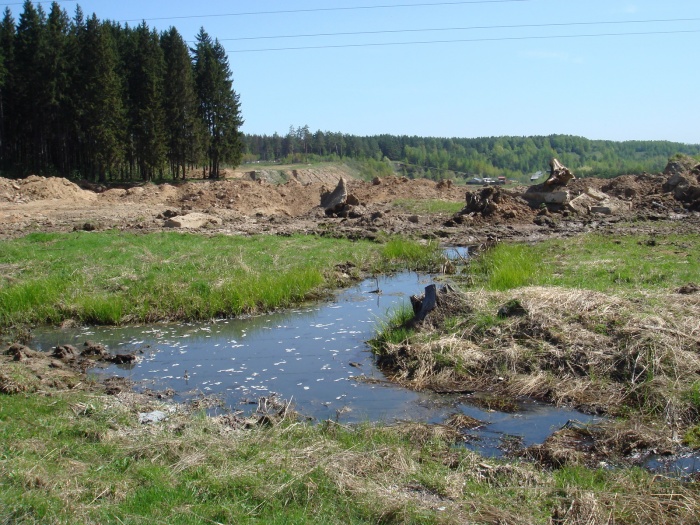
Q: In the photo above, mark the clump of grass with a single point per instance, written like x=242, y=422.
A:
x=395, y=329
x=643, y=362
x=114, y=278
x=506, y=266
x=413, y=255
x=428, y=206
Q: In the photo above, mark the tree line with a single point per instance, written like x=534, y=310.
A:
x=438, y=158
x=92, y=99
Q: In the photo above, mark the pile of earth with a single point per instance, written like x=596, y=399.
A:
x=494, y=205
x=241, y=205
x=36, y=188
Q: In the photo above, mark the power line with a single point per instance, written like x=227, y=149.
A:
x=495, y=39
x=39, y=2
x=327, y=9
x=468, y=28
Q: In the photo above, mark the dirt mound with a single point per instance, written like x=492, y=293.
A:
x=684, y=184
x=36, y=188
x=282, y=174
x=493, y=205
x=145, y=194
x=390, y=189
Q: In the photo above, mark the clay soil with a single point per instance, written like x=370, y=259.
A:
x=247, y=202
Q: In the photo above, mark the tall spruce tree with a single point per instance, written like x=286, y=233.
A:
x=7, y=123
x=183, y=128
x=54, y=89
x=102, y=115
x=219, y=105
x=146, y=113
x=29, y=105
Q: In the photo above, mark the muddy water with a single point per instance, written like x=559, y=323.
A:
x=313, y=356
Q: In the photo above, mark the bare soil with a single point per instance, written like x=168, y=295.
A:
x=246, y=202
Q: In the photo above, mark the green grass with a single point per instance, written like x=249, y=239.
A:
x=113, y=277
x=393, y=330
x=79, y=457
x=594, y=262
x=412, y=255
x=428, y=206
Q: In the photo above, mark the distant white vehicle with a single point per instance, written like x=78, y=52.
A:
x=536, y=175
x=475, y=180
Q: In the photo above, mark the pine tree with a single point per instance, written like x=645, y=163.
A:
x=146, y=102
x=219, y=105
x=54, y=89
x=28, y=103
x=7, y=123
x=102, y=115
x=183, y=128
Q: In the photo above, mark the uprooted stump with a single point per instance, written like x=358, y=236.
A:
x=335, y=200
x=439, y=303
x=484, y=201
x=559, y=174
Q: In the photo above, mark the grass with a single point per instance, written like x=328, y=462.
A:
x=593, y=262
x=114, y=277
x=77, y=456
x=600, y=326
x=70, y=454
x=428, y=206
x=411, y=255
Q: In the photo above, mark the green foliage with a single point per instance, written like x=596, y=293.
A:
x=417, y=255
x=218, y=103
x=104, y=101
x=594, y=262
x=112, y=277
x=513, y=157
x=506, y=266
x=395, y=329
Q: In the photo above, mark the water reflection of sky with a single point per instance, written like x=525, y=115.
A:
x=310, y=355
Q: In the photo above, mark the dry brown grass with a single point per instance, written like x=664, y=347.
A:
x=584, y=348
x=601, y=353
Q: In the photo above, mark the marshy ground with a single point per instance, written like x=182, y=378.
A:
x=603, y=317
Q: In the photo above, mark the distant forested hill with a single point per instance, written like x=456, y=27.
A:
x=438, y=158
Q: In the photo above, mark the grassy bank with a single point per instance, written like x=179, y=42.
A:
x=616, y=263
x=608, y=324
x=71, y=454
x=115, y=277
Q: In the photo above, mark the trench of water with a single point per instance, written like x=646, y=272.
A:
x=316, y=356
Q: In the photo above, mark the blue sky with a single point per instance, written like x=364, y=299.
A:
x=496, y=81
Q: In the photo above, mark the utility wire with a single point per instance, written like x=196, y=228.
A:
x=327, y=9
x=39, y=2
x=495, y=39
x=468, y=28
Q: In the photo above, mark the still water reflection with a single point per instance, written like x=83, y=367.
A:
x=311, y=355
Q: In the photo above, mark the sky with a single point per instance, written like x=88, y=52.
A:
x=601, y=69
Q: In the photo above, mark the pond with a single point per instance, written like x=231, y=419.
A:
x=313, y=356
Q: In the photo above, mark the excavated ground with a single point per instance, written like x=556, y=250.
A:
x=247, y=203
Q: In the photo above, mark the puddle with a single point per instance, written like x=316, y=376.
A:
x=310, y=355
x=680, y=466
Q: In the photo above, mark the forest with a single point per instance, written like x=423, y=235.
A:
x=101, y=101
x=440, y=158
x=97, y=100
